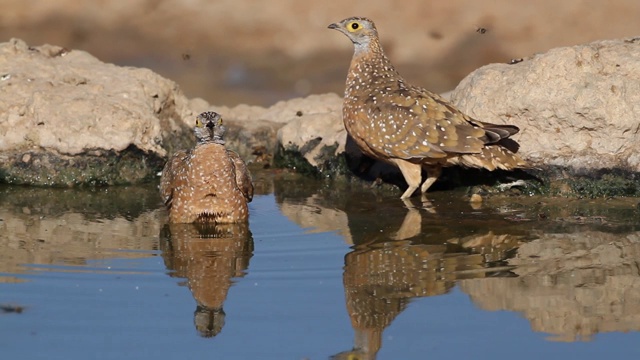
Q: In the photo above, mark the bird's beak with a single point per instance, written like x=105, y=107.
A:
x=333, y=26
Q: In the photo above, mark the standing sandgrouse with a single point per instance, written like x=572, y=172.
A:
x=408, y=126
x=209, y=183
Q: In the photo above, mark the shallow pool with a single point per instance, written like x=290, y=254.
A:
x=320, y=272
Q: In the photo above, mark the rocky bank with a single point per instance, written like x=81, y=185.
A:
x=67, y=118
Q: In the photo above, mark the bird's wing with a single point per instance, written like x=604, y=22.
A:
x=415, y=124
x=243, y=176
x=492, y=132
x=171, y=176
x=495, y=132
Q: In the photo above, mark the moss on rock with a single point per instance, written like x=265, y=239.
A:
x=98, y=168
x=290, y=157
x=549, y=181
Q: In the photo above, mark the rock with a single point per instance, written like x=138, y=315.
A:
x=309, y=124
x=249, y=128
x=68, y=119
x=314, y=126
x=577, y=107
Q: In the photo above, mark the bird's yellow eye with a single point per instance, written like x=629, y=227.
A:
x=220, y=122
x=198, y=122
x=353, y=26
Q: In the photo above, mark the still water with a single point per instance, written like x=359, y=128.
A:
x=321, y=272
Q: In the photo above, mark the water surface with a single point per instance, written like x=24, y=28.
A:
x=321, y=271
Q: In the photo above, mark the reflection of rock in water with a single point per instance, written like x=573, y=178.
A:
x=310, y=215
x=570, y=285
x=492, y=247
x=72, y=226
x=209, y=256
x=381, y=279
x=99, y=203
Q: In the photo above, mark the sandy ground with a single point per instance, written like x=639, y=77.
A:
x=259, y=52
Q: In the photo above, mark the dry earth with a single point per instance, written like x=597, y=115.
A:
x=259, y=52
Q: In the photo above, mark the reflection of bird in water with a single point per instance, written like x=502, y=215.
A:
x=411, y=127
x=208, y=321
x=379, y=281
x=210, y=256
x=381, y=278
x=208, y=183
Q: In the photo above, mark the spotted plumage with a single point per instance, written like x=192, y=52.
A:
x=243, y=176
x=209, y=183
x=408, y=126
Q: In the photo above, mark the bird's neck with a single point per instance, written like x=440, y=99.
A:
x=210, y=141
x=370, y=65
x=372, y=46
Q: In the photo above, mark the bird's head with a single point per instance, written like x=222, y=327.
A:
x=206, y=124
x=361, y=31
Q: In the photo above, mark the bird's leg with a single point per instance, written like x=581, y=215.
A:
x=411, y=226
x=412, y=174
x=407, y=203
x=427, y=204
x=433, y=172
